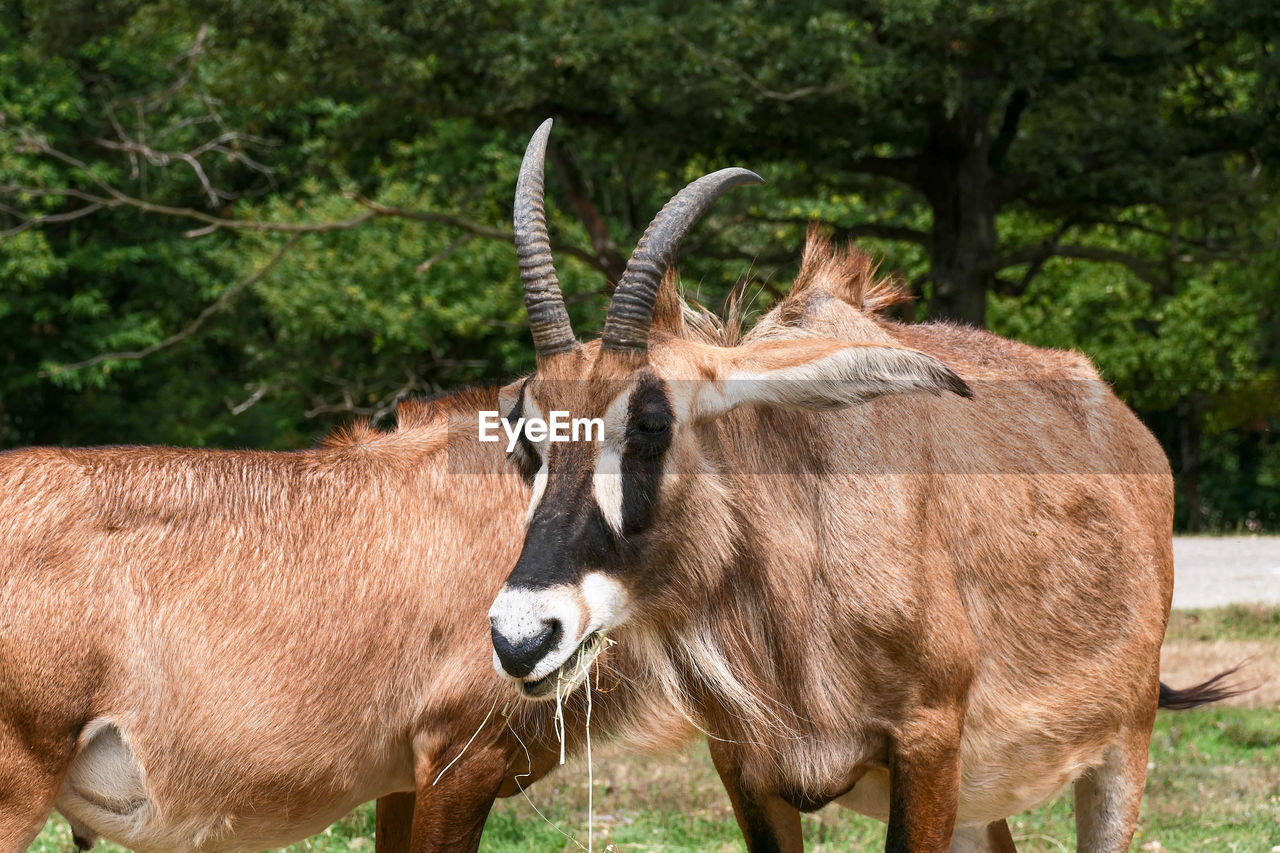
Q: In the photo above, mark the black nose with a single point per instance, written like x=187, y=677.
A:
x=519, y=659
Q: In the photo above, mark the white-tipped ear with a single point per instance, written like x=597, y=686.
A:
x=813, y=374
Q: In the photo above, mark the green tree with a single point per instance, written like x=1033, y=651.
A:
x=950, y=116
x=297, y=212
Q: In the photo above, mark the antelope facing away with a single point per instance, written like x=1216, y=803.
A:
x=918, y=570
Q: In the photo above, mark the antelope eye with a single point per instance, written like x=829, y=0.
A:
x=653, y=423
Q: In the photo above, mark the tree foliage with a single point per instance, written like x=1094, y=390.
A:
x=234, y=223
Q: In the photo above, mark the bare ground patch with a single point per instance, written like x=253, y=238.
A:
x=1187, y=662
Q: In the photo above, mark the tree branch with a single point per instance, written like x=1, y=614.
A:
x=475, y=228
x=163, y=159
x=111, y=197
x=1146, y=270
x=1207, y=245
x=905, y=170
x=188, y=330
x=48, y=218
x=377, y=410
x=439, y=256
x=738, y=71
x=611, y=260
x=259, y=392
x=1008, y=132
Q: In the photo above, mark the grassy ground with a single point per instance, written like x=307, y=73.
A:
x=1214, y=782
x=1237, y=622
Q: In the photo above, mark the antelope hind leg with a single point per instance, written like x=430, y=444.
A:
x=394, y=823
x=1109, y=796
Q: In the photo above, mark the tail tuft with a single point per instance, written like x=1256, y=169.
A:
x=1214, y=690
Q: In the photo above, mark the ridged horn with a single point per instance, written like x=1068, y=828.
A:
x=548, y=319
x=626, y=328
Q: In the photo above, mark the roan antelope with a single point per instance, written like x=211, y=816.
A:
x=215, y=650
x=919, y=570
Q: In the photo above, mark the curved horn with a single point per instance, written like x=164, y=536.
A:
x=548, y=319
x=626, y=328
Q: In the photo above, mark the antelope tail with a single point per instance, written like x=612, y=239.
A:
x=1214, y=690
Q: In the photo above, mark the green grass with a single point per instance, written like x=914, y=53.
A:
x=1214, y=786
x=1234, y=622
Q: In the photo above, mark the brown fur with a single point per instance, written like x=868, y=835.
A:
x=966, y=596
x=277, y=637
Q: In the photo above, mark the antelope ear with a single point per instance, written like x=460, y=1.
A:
x=509, y=394
x=823, y=374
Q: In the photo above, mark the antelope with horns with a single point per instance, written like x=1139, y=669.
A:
x=212, y=650
x=937, y=600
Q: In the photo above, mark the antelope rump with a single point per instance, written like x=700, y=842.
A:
x=918, y=570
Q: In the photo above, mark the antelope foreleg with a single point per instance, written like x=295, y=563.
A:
x=29, y=784
x=451, y=807
x=924, y=784
x=769, y=823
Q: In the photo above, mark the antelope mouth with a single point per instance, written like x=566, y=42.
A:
x=575, y=670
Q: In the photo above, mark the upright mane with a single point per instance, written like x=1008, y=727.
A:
x=424, y=420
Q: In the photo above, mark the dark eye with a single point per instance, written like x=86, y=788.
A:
x=650, y=419
x=653, y=423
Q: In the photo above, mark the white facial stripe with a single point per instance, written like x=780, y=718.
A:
x=606, y=483
x=531, y=410
x=539, y=489
x=606, y=601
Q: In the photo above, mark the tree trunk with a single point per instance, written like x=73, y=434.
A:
x=960, y=185
x=1189, y=456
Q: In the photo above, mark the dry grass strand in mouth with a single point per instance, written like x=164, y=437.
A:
x=581, y=674
x=586, y=656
